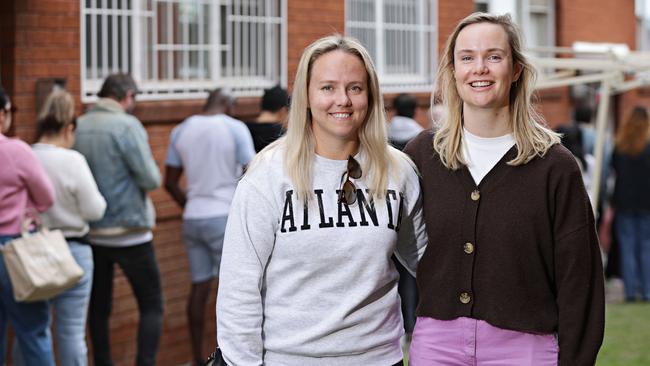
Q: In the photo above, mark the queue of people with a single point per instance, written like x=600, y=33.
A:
x=488, y=209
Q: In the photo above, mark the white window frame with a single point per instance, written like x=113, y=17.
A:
x=419, y=81
x=549, y=10
x=521, y=11
x=143, y=59
x=642, y=13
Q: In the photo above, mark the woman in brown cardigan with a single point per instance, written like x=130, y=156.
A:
x=512, y=274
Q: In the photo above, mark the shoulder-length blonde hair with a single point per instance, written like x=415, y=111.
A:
x=56, y=113
x=532, y=138
x=632, y=136
x=299, y=141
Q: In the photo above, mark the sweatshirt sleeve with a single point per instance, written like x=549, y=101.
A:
x=578, y=272
x=412, y=237
x=248, y=244
x=90, y=202
x=39, y=186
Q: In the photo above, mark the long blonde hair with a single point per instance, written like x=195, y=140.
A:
x=632, y=137
x=299, y=141
x=532, y=138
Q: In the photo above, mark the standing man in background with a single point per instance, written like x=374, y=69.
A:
x=212, y=149
x=116, y=146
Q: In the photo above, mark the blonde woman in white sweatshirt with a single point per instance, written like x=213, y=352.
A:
x=77, y=201
x=306, y=273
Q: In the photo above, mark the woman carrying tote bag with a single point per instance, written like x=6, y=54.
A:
x=77, y=201
x=23, y=184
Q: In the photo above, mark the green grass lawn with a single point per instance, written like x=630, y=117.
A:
x=627, y=335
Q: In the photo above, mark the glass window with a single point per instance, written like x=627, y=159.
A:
x=183, y=48
x=401, y=38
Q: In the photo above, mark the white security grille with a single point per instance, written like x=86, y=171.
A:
x=401, y=38
x=178, y=49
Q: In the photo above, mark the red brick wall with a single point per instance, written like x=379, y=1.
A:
x=450, y=12
x=7, y=44
x=595, y=21
x=45, y=45
x=308, y=20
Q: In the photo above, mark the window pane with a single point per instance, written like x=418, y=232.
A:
x=361, y=10
x=367, y=38
x=406, y=52
x=539, y=30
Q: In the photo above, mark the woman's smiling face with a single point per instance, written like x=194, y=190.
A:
x=338, y=97
x=483, y=66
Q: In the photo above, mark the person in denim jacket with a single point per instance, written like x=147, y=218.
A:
x=115, y=144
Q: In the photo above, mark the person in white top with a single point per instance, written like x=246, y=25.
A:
x=77, y=201
x=306, y=274
x=210, y=149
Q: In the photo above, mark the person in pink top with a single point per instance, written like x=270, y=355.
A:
x=23, y=185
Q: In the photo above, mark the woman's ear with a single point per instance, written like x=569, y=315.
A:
x=517, y=72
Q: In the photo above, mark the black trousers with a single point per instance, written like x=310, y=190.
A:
x=140, y=267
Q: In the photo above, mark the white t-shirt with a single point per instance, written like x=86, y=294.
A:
x=483, y=153
x=211, y=150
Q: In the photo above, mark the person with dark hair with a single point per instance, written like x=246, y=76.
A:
x=120, y=87
x=115, y=144
x=269, y=125
x=513, y=272
x=402, y=127
x=77, y=201
x=211, y=149
x=631, y=201
x=23, y=184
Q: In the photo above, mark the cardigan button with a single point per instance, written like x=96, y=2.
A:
x=465, y=298
x=475, y=195
x=468, y=248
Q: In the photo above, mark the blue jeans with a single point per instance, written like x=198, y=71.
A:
x=138, y=262
x=71, y=310
x=30, y=322
x=633, y=233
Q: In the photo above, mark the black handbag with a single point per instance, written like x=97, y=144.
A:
x=216, y=359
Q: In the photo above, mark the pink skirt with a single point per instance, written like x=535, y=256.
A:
x=466, y=341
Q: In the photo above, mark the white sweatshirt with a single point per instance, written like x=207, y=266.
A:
x=315, y=286
x=77, y=197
